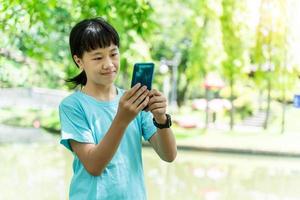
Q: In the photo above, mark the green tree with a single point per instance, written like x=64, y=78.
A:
x=233, y=46
x=39, y=30
x=195, y=34
x=271, y=55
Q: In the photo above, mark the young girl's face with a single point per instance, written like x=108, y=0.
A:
x=100, y=65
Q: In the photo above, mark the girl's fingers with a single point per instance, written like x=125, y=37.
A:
x=157, y=99
x=154, y=92
x=160, y=105
x=143, y=104
x=158, y=111
x=137, y=95
x=129, y=93
x=141, y=98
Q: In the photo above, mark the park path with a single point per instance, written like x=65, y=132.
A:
x=38, y=98
x=10, y=134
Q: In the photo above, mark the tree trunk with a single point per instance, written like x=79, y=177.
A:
x=268, y=105
x=285, y=77
x=181, y=92
x=283, y=116
x=231, y=101
x=260, y=100
x=206, y=108
x=269, y=85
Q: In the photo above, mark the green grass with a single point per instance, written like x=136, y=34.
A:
x=292, y=125
x=21, y=117
x=49, y=120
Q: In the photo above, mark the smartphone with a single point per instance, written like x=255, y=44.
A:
x=143, y=73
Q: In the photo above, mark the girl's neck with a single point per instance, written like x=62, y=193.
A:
x=102, y=93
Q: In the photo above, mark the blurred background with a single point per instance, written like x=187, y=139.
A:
x=229, y=68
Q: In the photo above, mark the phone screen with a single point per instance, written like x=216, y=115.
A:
x=143, y=73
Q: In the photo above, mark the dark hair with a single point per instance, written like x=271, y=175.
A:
x=88, y=35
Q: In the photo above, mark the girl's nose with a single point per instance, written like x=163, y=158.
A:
x=108, y=64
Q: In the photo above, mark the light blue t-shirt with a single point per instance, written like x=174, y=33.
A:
x=87, y=120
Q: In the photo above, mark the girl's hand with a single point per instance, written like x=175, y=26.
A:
x=158, y=106
x=132, y=102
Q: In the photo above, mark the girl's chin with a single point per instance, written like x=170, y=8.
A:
x=106, y=81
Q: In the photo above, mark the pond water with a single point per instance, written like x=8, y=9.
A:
x=43, y=171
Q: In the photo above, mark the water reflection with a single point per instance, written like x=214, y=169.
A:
x=43, y=171
x=209, y=176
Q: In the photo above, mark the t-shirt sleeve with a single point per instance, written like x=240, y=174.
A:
x=148, y=128
x=73, y=125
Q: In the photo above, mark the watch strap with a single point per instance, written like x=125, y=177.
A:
x=168, y=123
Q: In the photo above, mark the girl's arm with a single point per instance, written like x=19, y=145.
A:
x=95, y=157
x=163, y=141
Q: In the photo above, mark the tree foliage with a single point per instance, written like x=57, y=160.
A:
x=246, y=42
x=39, y=30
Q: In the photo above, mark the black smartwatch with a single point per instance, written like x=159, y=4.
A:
x=168, y=123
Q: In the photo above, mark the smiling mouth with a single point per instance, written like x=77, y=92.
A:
x=108, y=73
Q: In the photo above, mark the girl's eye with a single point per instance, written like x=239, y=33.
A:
x=98, y=58
x=114, y=54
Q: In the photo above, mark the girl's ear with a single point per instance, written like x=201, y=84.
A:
x=78, y=62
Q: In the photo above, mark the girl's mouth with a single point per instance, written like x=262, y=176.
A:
x=108, y=73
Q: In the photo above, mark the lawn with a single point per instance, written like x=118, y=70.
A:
x=48, y=119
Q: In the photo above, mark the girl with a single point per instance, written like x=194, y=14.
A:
x=103, y=125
